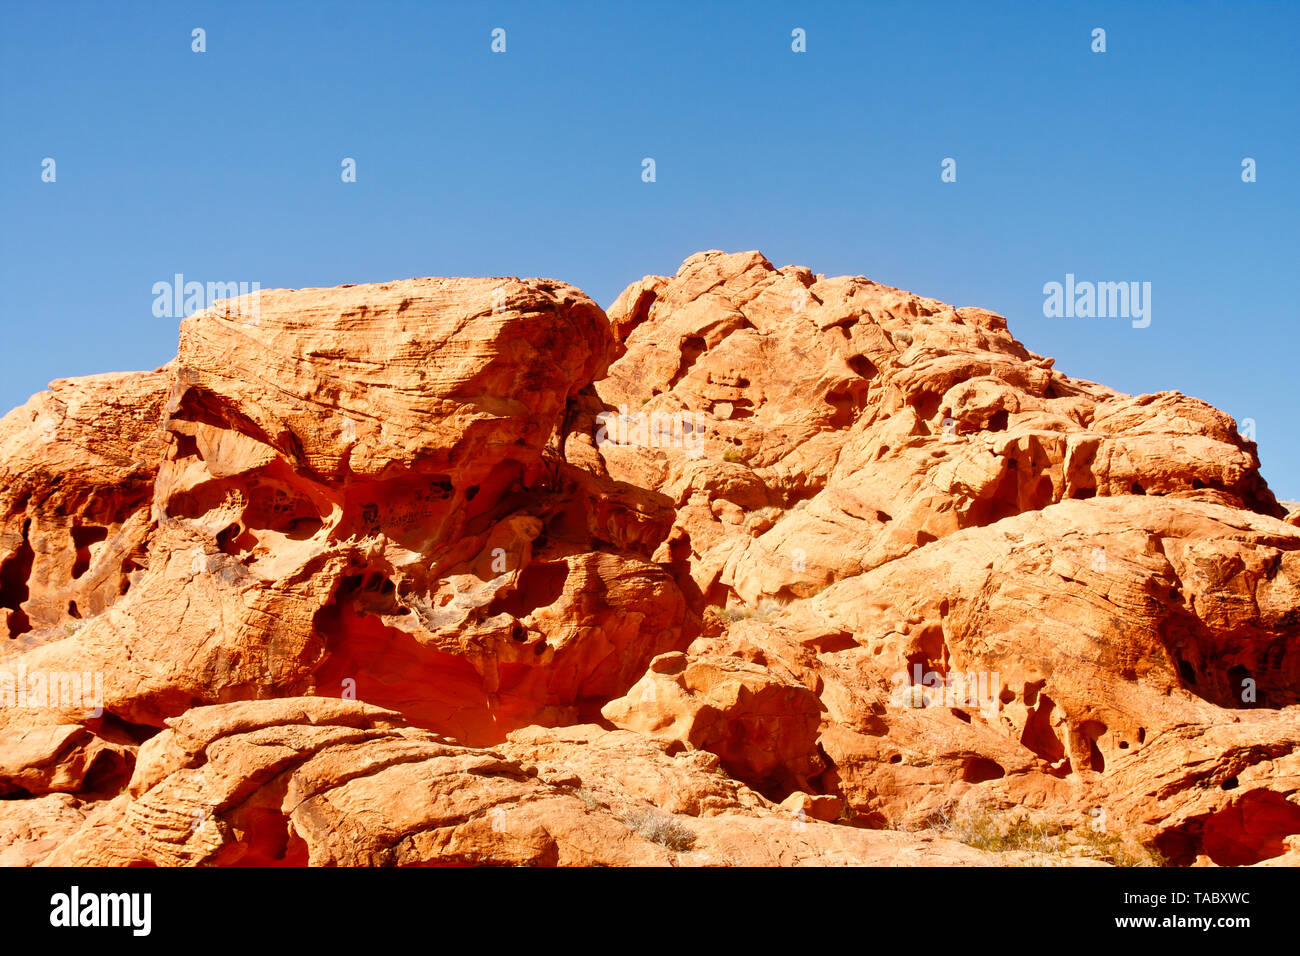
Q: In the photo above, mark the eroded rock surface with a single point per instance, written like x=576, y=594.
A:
x=763, y=567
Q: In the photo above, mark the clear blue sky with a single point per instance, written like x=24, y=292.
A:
x=225, y=166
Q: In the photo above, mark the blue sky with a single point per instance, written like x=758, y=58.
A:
x=225, y=165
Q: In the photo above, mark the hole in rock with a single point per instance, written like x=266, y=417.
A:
x=834, y=642
x=1251, y=830
x=1043, y=495
x=1229, y=784
x=1180, y=846
x=187, y=447
x=198, y=501
x=431, y=688
x=1002, y=502
x=570, y=523
x=917, y=663
x=72, y=610
x=692, y=348
x=14, y=573
x=82, y=539
x=1137, y=489
x=1186, y=672
x=926, y=404
x=1095, y=759
x=844, y=408
x=740, y=408
x=1038, y=735
x=113, y=727
x=1091, y=731
x=226, y=539
x=540, y=584
x=368, y=592
x=1031, y=692
x=1237, y=677
x=275, y=506
x=981, y=769
x=108, y=773
x=998, y=421
x=492, y=496
x=863, y=366
x=302, y=529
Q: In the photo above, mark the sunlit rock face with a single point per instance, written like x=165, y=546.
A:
x=467, y=570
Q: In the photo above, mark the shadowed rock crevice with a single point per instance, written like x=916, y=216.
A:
x=14, y=573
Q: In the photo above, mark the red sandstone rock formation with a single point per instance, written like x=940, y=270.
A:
x=764, y=568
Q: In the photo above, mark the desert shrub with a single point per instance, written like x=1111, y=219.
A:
x=991, y=832
x=761, y=611
x=1115, y=849
x=659, y=827
x=72, y=627
x=1003, y=833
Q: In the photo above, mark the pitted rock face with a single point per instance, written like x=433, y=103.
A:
x=77, y=469
x=827, y=556
x=849, y=423
x=352, y=500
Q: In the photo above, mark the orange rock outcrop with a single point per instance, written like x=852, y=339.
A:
x=760, y=567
